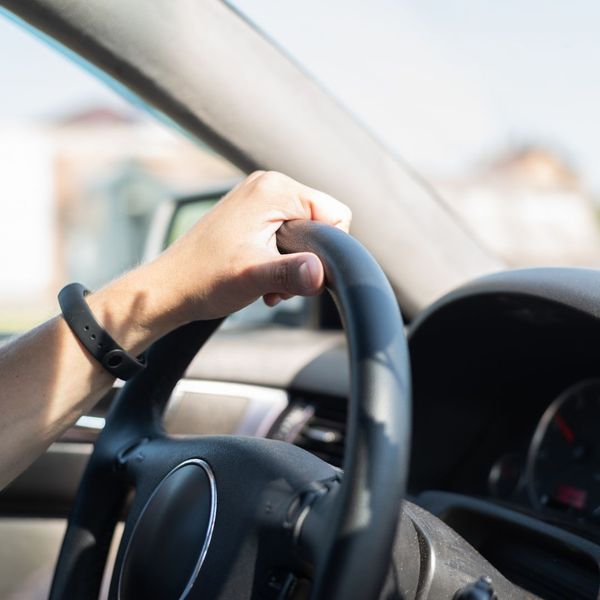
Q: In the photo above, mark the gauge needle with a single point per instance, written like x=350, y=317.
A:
x=565, y=430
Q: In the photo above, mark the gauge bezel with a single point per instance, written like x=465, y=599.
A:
x=540, y=432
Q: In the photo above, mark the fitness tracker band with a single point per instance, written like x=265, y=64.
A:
x=93, y=336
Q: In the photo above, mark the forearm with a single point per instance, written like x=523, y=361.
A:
x=49, y=379
x=225, y=262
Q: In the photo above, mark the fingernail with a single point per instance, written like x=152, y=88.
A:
x=308, y=273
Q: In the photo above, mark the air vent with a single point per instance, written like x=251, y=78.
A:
x=317, y=424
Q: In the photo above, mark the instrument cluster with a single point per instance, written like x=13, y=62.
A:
x=558, y=475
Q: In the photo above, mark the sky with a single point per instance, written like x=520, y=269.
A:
x=447, y=84
x=38, y=82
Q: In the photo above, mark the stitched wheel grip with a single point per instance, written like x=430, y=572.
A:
x=357, y=559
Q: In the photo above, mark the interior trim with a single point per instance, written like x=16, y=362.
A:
x=89, y=422
x=264, y=404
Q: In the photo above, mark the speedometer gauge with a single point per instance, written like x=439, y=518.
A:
x=563, y=463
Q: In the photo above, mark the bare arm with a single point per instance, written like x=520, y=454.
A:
x=229, y=259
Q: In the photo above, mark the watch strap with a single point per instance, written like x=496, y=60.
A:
x=96, y=340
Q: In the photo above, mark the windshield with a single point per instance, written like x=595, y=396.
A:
x=493, y=103
x=83, y=173
x=93, y=183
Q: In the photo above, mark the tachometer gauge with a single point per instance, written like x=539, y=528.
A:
x=563, y=463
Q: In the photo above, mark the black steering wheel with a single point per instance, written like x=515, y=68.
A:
x=237, y=517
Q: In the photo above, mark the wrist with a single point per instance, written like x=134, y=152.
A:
x=136, y=309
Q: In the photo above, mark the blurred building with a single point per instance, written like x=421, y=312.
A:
x=528, y=207
x=78, y=195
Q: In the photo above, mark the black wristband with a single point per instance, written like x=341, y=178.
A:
x=93, y=336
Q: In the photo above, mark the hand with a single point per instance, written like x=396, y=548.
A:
x=230, y=257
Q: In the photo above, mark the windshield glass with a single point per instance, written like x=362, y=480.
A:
x=86, y=179
x=494, y=103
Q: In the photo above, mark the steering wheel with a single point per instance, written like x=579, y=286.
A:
x=239, y=517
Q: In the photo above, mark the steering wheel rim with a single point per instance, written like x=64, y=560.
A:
x=363, y=511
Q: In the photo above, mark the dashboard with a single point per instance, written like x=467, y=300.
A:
x=506, y=414
x=506, y=405
x=507, y=395
x=506, y=384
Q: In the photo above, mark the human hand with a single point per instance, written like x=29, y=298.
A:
x=230, y=257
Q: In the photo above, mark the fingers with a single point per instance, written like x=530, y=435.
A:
x=289, y=275
x=253, y=176
x=327, y=209
x=284, y=192
x=274, y=299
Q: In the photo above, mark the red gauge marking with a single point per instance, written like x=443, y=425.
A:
x=565, y=430
x=571, y=496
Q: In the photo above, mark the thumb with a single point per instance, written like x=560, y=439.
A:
x=295, y=274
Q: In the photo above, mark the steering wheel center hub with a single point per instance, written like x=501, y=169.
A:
x=172, y=535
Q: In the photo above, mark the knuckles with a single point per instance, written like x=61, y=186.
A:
x=277, y=190
x=281, y=273
x=265, y=182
